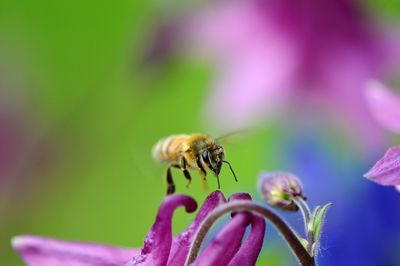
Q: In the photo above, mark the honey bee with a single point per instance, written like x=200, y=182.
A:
x=190, y=152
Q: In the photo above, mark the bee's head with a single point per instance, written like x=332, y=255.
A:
x=214, y=157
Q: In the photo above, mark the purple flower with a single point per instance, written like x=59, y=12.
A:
x=46, y=251
x=386, y=171
x=280, y=188
x=160, y=248
x=274, y=55
x=385, y=106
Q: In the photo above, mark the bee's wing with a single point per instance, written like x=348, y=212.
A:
x=239, y=131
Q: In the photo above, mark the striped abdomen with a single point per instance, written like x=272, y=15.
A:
x=169, y=149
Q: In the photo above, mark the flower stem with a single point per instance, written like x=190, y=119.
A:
x=244, y=205
x=305, y=210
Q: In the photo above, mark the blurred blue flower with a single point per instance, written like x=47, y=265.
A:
x=363, y=226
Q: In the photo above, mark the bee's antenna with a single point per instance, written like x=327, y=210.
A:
x=230, y=167
x=219, y=185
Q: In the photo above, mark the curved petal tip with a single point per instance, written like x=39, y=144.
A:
x=157, y=245
x=386, y=171
x=181, y=243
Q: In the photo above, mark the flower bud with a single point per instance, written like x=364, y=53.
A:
x=279, y=189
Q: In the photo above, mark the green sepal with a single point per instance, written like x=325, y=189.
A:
x=310, y=226
x=316, y=223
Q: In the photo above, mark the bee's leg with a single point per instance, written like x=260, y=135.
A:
x=185, y=171
x=203, y=174
x=170, y=182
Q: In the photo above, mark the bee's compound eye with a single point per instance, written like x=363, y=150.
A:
x=205, y=156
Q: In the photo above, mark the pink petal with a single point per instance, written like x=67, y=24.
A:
x=384, y=105
x=250, y=249
x=240, y=196
x=225, y=245
x=41, y=251
x=387, y=170
x=181, y=243
x=158, y=241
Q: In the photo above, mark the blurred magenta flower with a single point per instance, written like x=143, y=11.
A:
x=16, y=136
x=160, y=248
x=274, y=55
x=27, y=152
x=385, y=106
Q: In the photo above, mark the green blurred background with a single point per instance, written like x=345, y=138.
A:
x=93, y=112
x=96, y=112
